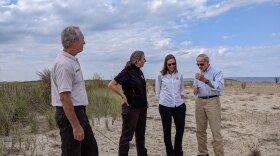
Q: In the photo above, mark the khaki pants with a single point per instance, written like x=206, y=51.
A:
x=208, y=109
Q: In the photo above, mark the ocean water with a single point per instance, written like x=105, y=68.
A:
x=248, y=79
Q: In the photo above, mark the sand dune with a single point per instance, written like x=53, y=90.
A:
x=250, y=120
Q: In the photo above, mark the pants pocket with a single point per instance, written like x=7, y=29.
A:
x=60, y=119
x=124, y=110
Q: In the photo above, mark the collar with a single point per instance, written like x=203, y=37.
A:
x=68, y=55
x=208, y=68
x=174, y=73
x=134, y=67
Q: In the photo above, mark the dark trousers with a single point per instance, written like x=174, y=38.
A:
x=70, y=146
x=178, y=114
x=134, y=120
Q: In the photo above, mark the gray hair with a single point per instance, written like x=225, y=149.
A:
x=69, y=34
x=205, y=57
x=134, y=57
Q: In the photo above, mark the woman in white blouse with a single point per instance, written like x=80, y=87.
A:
x=170, y=91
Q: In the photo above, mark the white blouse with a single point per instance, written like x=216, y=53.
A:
x=169, y=89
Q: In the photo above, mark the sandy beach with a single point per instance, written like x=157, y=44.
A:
x=250, y=121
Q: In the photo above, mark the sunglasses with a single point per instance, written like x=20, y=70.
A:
x=202, y=64
x=171, y=64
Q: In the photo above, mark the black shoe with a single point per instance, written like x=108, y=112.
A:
x=203, y=155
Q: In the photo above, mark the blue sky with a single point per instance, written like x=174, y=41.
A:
x=241, y=37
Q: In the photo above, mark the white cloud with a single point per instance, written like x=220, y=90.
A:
x=164, y=43
x=222, y=50
x=30, y=34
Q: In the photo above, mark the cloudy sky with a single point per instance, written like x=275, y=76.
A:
x=242, y=37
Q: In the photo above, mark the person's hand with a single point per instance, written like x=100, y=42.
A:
x=200, y=77
x=124, y=100
x=196, y=89
x=78, y=133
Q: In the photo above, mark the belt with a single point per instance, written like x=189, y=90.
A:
x=75, y=107
x=207, y=97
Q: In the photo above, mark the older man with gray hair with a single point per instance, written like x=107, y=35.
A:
x=70, y=98
x=208, y=85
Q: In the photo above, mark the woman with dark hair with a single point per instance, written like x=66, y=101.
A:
x=134, y=103
x=170, y=91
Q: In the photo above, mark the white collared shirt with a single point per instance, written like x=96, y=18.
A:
x=169, y=89
x=66, y=76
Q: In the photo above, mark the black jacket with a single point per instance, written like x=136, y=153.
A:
x=134, y=86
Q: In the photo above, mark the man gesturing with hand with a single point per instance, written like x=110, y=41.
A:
x=208, y=85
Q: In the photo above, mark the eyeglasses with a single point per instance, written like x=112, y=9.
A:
x=201, y=64
x=171, y=64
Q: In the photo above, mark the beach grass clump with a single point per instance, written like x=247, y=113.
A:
x=102, y=101
x=276, y=79
x=228, y=82
x=254, y=149
x=49, y=114
x=150, y=83
x=243, y=85
x=276, y=108
x=45, y=86
x=14, y=101
x=188, y=84
x=254, y=152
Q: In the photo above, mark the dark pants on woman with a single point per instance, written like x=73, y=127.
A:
x=134, y=120
x=178, y=114
x=70, y=146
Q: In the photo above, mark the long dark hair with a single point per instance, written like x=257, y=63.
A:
x=134, y=57
x=165, y=69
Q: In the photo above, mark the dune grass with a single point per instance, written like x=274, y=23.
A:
x=102, y=101
x=27, y=105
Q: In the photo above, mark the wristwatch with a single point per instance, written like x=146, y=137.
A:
x=207, y=81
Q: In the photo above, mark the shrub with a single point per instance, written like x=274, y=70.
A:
x=102, y=101
x=50, y=118
x=276, y=79
x=243, y=85
x=254, y=150
x=45, y=86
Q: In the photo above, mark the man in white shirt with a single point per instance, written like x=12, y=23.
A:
x=70, y=98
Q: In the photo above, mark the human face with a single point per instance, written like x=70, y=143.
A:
x=171, y=65
x=140, y=63
x=202, y=64
x=79, y=44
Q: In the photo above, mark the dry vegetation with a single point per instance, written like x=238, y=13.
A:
x=250, y=122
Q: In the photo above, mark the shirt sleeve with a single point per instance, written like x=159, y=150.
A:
x=195, y=82
x=182, y=88
x=122, y=77
x=218, y=82
x=158, y=85
x=64, y=78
